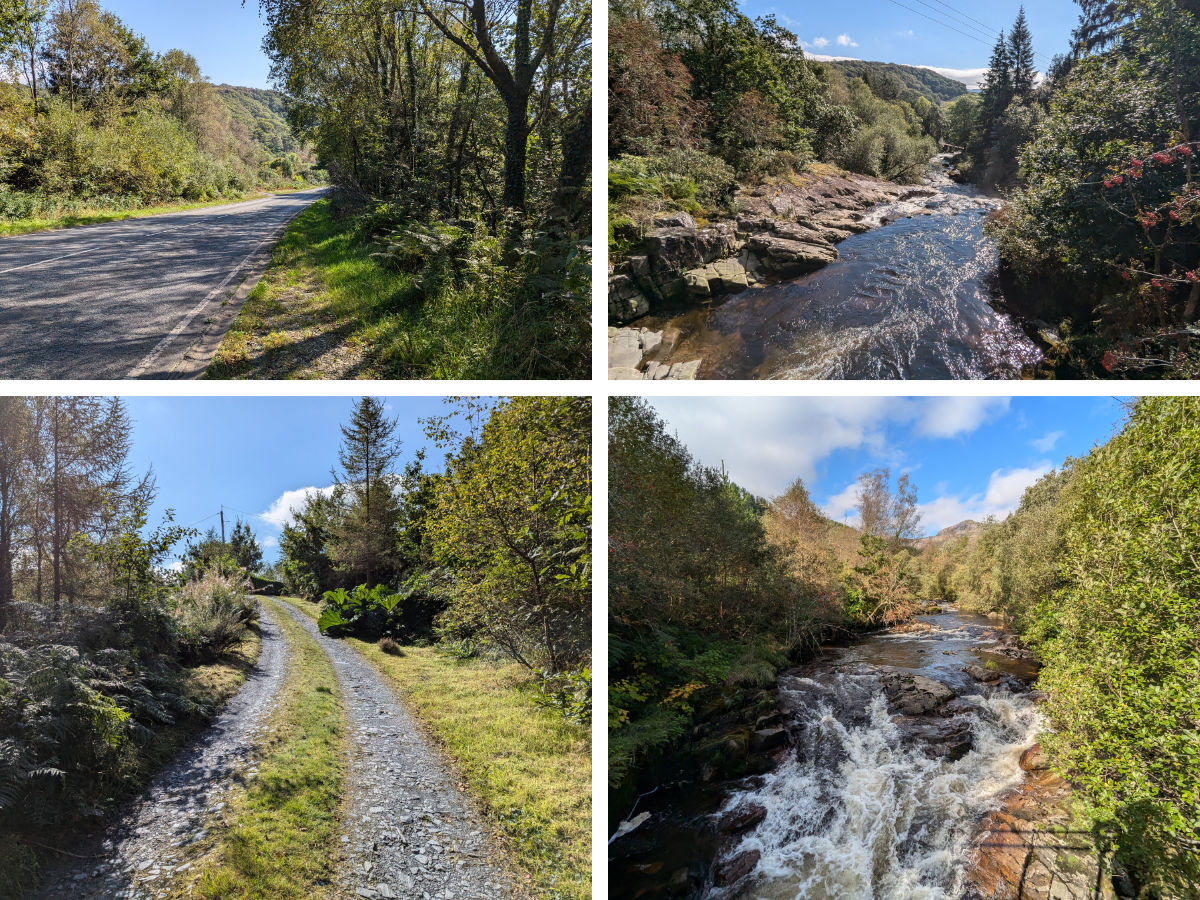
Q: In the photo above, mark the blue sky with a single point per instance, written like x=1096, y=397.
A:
x=256, y=456
x=968, y=457
x=223, y=35
x=956, y=35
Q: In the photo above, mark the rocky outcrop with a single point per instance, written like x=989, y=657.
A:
x=734, y=870
x=1032, y=849
x=783, y=230
x=633, y=355
x=742, y=819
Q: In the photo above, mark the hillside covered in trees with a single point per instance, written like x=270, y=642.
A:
x=1094, y=572
x=931, y=85
x=1098, y=160
x=93, y=118
x=703, y=99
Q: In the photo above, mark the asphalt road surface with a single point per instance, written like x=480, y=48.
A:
x=127, y=299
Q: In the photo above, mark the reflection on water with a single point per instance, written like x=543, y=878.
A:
x=911, y=299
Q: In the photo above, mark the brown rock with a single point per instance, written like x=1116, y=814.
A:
x=1034, y=759
x=734, y=870
x=768, y=739
x=742, y=819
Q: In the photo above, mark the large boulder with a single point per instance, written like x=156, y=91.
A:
x=915, y=695
x=676, y=250
x=1034, y=759
x=788, y=258
x=675, y=219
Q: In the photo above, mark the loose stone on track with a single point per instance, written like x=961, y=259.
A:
x=137, y=854
x=410, y=832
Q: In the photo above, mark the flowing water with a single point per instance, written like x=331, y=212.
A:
x=916, y=297
x=864, y=807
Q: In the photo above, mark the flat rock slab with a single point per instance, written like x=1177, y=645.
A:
x=410, y=832
x=141, y=850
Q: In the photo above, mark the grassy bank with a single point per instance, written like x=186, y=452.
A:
x=211, y=686
x=328, y=309
x=281, y=833
x=100, y=215
x=529, y=768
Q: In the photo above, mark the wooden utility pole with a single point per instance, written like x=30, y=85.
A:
x=222, y=525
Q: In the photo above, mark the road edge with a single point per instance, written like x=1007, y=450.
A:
x=194, y=360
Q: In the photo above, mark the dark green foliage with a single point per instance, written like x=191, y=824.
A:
x=264, y=114
x=913, y=81
x=569, y=693
x=700, y=603
x=366, y=613
x=1124, y=662
x=1097, y=570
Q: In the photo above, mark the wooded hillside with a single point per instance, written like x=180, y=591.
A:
x=916, y=80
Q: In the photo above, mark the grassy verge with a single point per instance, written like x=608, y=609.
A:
x=211, y=685
x=98, y=216
x=529, y=768
x=280, y=834
x=327, y=309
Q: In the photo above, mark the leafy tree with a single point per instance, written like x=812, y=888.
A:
x=513, y=524
x=1122, y=667
x=884, y=587
x=306, y=567
x=885, y=512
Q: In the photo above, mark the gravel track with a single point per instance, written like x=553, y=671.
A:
x=409, y=832
x=138, y=852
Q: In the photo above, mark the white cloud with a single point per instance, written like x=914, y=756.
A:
x=1046, y=443
x=289, y=503
x=844, y=40
x=822, y=57
x=270, y=541
x=906, y=34
x=972, y=78
x=945, y=417
x=819, y=43
x=840, y=506
x=766, y=442
x=175, y=565
x=1003, y=494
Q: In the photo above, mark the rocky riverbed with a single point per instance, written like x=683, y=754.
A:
x=834, y=276
x=902, y=766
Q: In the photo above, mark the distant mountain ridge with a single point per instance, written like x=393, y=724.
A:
x=967, y=528
x=927, y=83
x=264, y=113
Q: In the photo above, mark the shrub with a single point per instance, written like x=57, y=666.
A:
x=570, y=693
x=212, y=616
x=390, y=647
x=363, y=613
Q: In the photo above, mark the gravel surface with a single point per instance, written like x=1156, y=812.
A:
x=409, y=832
x=138, y=852
x=128, y=299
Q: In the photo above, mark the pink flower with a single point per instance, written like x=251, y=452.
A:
x=1193, y=276
x=1125, y=276
x=1162, y=156
x=1108, y=182
x=1120, y=179
x=1174, y=216
x=1184, y=150
x=1149, y=220
x=1110, y=360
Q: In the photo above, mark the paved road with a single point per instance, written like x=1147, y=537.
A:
x=127, y=299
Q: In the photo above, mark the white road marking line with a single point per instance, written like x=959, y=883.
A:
x=45, y=261
x=141, y=368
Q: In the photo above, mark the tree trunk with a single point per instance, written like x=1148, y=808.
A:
x=516, y=148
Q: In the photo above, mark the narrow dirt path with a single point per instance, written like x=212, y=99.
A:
x=409, y=832
x=137, y=853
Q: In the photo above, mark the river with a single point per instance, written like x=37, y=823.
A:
x=916, y=297
x=866, y=805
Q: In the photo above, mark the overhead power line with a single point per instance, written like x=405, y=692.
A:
x=979, y=31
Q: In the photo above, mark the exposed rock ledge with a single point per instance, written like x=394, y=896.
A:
x=782, y=230
x=1032, y=849
x=632, y=351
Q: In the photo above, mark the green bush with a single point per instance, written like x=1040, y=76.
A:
x=212, y=616
x=366, y=613
x=569, y=693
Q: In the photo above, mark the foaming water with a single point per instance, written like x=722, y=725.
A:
x=862, y=810
x=910, y=299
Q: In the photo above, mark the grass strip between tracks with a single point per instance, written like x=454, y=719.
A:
x=281, y=832
x=528, y=767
